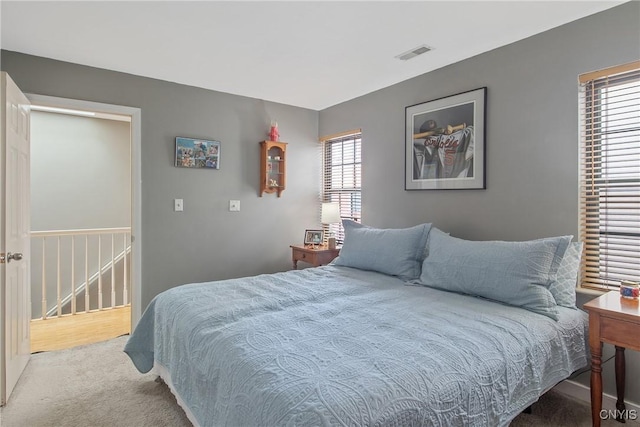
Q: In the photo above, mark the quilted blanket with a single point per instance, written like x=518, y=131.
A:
x=340, y=346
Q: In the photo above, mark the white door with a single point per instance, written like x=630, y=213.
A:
x=14, y=238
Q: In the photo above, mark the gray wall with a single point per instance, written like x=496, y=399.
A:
x=532, y=132
x=532, y=138
x=206, y=241
x=531, y=154
x=81, y=172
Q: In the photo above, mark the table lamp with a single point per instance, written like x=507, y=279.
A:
x=330, y=214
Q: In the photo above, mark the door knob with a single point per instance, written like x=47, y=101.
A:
x=16, y=257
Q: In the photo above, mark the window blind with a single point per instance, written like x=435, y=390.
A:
x=341, y=177
x=610, y=175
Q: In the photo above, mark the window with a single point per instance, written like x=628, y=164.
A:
x=610, y=175
x=341, y=177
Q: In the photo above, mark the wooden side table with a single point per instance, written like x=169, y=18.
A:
x=317, y=256
x=616, y=321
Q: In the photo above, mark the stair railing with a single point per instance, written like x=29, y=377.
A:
x=96, y=265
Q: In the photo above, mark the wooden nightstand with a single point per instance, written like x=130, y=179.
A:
x=319, y=256
x=616, y=321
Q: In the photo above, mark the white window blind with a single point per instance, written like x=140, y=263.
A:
x=610, y=175
x=341, y=177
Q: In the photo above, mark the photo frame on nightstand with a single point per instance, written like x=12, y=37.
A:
x=313, y=237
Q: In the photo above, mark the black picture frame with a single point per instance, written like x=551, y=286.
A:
x=313, y=237
x=445, y=142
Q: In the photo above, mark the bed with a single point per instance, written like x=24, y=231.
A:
x=338, y=345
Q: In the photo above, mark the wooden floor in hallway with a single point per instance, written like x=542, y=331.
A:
x=58, y=333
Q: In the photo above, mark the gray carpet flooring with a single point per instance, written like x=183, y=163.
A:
x=97, y=385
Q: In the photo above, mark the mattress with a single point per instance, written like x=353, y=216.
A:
x=341, y=346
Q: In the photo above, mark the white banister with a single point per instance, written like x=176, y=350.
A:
x=66, y=288
x=113, y=272
x=87, y=231
x=99, y=272
x=73, y=274
x=59, y=283
x=86, y=274
x=124, y=272
x=44, y=278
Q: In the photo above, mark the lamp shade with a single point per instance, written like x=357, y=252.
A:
x=330, y=213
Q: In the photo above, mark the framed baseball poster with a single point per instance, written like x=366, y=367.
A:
x=445, y=143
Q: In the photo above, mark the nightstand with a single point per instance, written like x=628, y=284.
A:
x=320, y=255
x=616, y=321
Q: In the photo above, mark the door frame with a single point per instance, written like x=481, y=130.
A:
x=136, y=179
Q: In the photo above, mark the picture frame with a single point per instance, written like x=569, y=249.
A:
x=313, y=237
x=445, y=142
x=197, y=153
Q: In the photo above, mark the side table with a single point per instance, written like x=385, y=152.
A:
x=316, y=256
x=614, y=320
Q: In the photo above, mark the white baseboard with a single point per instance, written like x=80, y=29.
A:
x=582, y=392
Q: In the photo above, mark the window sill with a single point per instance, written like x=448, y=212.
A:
x=589, y=291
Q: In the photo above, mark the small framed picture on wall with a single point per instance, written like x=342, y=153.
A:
x=197, y=153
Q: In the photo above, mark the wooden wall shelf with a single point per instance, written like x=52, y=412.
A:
x=273, y=167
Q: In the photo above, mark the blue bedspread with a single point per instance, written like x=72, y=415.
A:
x=340, y=346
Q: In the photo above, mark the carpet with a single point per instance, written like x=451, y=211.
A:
x=97, y=385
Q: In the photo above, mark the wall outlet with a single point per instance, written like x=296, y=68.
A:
x=178, y=205
x=234, y=205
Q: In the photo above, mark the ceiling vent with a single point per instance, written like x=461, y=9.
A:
x=414, y=52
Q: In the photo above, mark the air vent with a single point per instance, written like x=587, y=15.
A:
x=414, y=52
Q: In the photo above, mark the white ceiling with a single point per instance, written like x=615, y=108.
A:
x=307, y=54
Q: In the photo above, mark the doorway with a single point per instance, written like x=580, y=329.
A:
x=86, y=270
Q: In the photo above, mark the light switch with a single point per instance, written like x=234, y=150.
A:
x=234, y=205
x=177, y=205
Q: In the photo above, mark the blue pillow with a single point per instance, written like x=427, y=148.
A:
x=349, y=224
x=393, y=251
x=515, y=273
x=564, y=288
x=434, y=231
